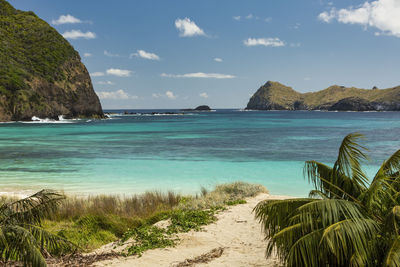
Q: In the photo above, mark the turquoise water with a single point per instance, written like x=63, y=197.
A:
x=133, y=154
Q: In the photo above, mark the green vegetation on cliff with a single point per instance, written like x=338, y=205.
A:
x=40, y=72
x=21, y=31
x=276, y=96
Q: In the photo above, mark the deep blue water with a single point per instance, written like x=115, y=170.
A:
x=133, y=154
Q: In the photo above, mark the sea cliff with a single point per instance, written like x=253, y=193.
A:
x=41, y=74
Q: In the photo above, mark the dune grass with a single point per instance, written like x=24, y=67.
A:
x=222, y=195
x=191, y=213
x=90, y=222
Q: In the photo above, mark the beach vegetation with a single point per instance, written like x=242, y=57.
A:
x=149, y=236
x=94, y=221
x=225, y=194
x=347, y=220
x=192, y=213
x=22, y=237
x=61, y=225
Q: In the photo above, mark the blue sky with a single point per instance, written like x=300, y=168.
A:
x=178, y=54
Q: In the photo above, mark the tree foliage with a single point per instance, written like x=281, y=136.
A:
x=21, y=236
x=346, y=221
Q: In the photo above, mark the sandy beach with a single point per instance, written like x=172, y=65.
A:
x=235, y=239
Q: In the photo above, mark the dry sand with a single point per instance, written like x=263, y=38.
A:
x=235, y=239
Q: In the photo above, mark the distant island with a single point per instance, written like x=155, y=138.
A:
x=41, y=74
x=199, y=108
x=276, y=96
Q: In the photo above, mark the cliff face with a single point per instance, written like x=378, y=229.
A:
x=40, y=72
x=275, y=96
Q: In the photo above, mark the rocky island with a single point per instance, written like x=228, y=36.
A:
x=276, y=96
x=199, y=108
x=41, y=74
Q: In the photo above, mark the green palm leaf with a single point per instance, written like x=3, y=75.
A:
x=393, y=256
x=21, y=237
x=346, y=221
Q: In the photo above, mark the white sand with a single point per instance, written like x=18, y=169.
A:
x=236, y=231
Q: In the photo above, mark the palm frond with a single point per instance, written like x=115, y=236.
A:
x=274, y=214
x=391, y=166
x=32, y=209
x=393, y=256
x=330, y=183
x=305, y=251
x=348, y=163
x=317, y=194
x=346, y=221
x=350, y=237
x=47, y=239
x=329, y=211
x=21, y=237
x=22, y=246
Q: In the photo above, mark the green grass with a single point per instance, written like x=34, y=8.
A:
x=91, y=222
x=236, y=202
x=97, y=220
x=86, y=238
x=150, y=237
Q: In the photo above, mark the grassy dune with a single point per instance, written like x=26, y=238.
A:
x=90, y=222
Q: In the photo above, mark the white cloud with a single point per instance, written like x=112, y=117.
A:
x=119, y=94
x=307, y=78
x=97, y=74
x=105, y=82
x=108, y=54
x=145, y=55
x=170, y=95
x=75, y=34
x=327, y=16
x=273, y=42
x=87, y=55
x=199, y=75
x=203, y=95
x=66, y=19
x=251, y=17
x=156, y=95
x=119, y=72
x=217, y=59
x=188, y=28
x=380, y=14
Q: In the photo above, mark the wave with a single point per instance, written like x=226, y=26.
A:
x=114, y=115
x=61, y=119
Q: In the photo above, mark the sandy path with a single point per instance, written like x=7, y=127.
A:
x=236, y=231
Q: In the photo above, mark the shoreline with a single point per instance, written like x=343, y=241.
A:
x=23, y=193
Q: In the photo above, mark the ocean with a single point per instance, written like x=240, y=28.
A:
x=129, y=154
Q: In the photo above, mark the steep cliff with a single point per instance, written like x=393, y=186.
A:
x=40, y=72
x=276, y=96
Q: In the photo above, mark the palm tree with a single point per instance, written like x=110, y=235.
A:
x=21, y=236
x=347, y=219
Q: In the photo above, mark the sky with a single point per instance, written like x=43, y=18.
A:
x=181, y=54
